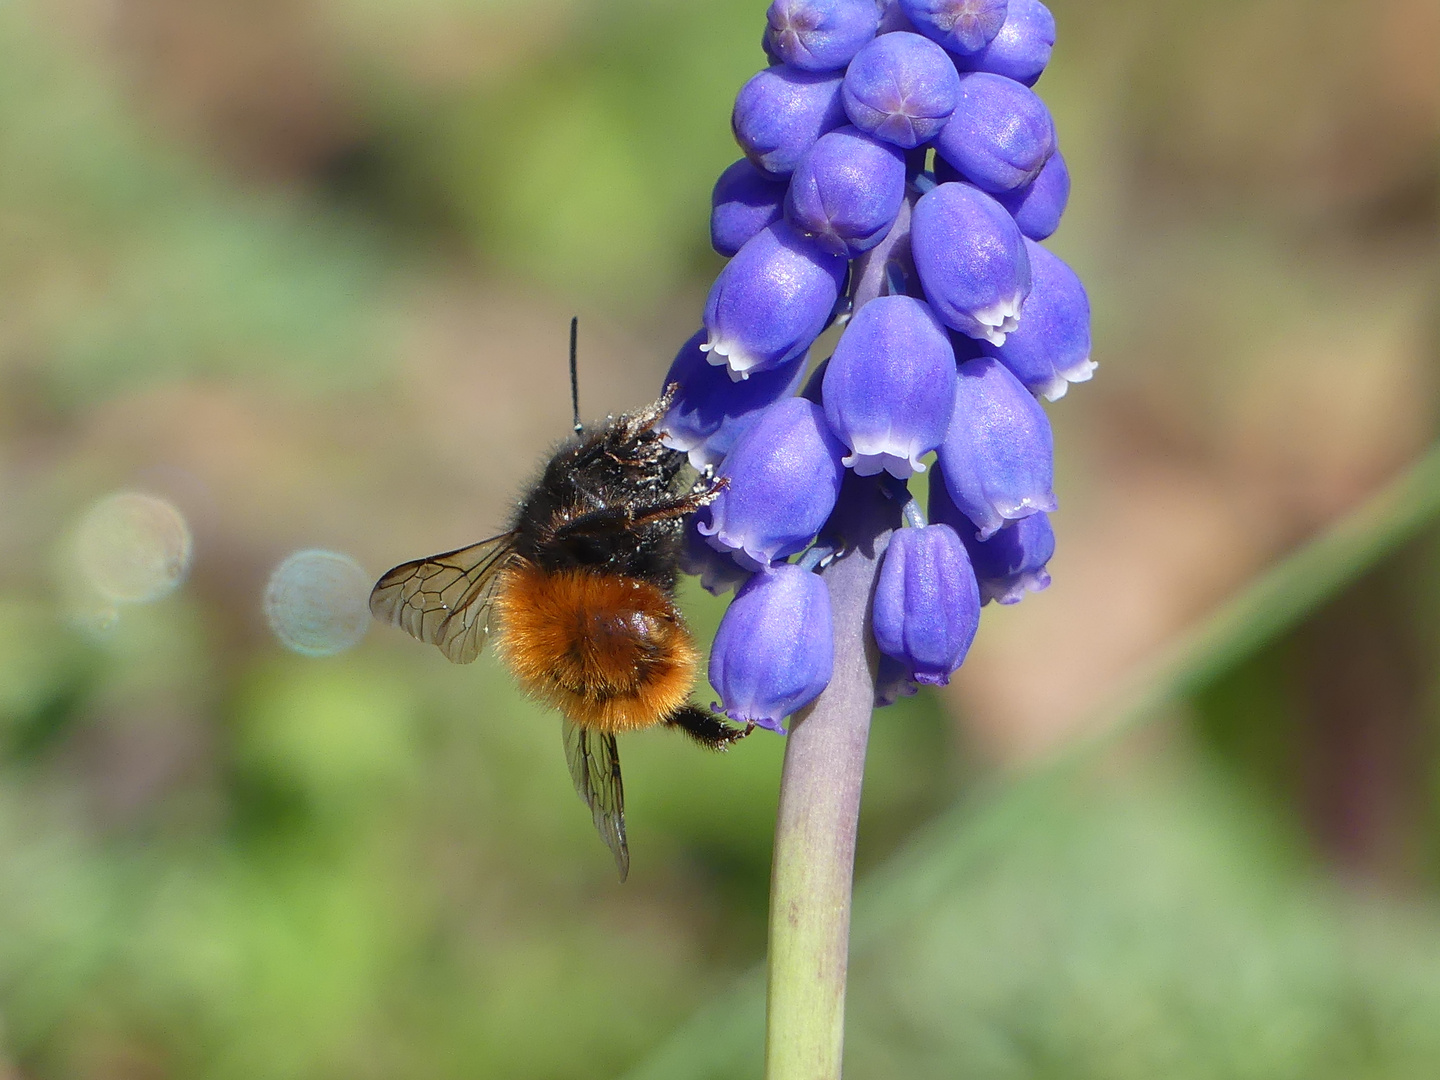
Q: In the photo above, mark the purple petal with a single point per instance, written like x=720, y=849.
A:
x=1021, y=48
x=1051, y=348
x=774, y=650
x=901, y=88
x=998, y=456
x=771, y=301
x=927, y=603
x=889, y=390
x=783, y=479
x=780, y=113
x=971, y=260
x=847, y=190
x=819, y=35
x=743, y=202
x=1001, y=134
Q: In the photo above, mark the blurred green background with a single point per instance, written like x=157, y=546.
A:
x=302, y=269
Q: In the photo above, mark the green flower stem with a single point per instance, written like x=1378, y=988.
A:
x=814, y=864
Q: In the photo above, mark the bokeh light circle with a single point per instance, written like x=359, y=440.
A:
x=132, y=548
x=317, y=602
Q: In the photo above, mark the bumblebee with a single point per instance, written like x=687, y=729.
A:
x=579, y=596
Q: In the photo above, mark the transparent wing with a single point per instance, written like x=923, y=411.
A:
x=446, y=598
x=595, y=767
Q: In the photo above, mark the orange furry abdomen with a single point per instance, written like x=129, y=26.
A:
x=610, y=652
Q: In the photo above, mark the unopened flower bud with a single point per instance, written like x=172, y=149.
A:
x=775, y=648
x=889, y=390
x=927, y=604
x=1000, y=135
x=1038, y=205
x=1021, y=48
x=847, y=190
x=780, y=113
x=1051, y=347
x=962, y=26
x=744, y=201
x=998, y=456
x=971, y=260
x=901, y=88
x=783, y=477
x=819, y=35
x=771, y=300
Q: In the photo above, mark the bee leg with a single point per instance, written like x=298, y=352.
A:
x=623, y=517
x=706, y=728
x=637, y=424
x=686, y=504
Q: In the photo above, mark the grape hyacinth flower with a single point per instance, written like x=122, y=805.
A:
x=773, y=651
x=962, y=26
x=889, y=390
x=927, y=603
x=744, y=201
x=780, y=113
x=1009, y=564
x=901, y=88
x=1020, y=50
x=971, y=260
x=819, y=35
x=998, y=456
x=771, y=301
x=782, y=479
x=1051, y=347
x=953, y=320
x=1000, y=135
x=847, y=191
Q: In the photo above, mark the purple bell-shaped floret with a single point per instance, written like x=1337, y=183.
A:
x=927, y=603
x=889, y=389
x=962, y=26
x=971, y=260
x=998, y=456
x=901, y=88
x=1038, y=205
x=819, y=35
x=775, y=648
x=780, y=113
x=717, y=571
x=1021, y=48
x=742, y=203
x=1009, y=564
x=711, y=410
x=1051, y=348
x=1000, y=135
x=847, y=190
x=771, y=301
x=782, y=479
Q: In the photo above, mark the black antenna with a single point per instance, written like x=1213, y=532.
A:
x=574, y=375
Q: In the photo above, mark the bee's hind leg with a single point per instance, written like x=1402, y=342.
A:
x=709, y=730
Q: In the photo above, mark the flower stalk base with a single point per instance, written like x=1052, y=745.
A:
x=814, y=863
